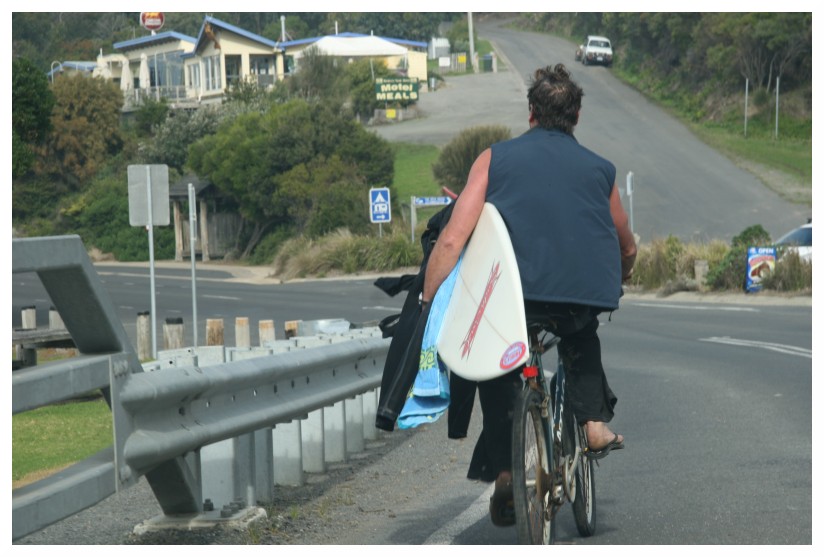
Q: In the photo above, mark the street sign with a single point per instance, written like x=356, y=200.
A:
x=152, y=21
x=432, y=201
x=141, y=177
x=379, y=205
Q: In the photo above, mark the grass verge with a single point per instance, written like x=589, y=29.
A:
x=53, y=437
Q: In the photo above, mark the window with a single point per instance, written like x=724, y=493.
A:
x=232, y=69
x=194, y=76
x=211, y=71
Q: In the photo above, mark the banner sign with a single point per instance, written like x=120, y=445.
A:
x=760, y=263
x=396, y=89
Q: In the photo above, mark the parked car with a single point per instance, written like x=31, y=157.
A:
x=596, y=50
x=799, y=240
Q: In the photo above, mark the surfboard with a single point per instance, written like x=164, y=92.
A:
x=484, y=334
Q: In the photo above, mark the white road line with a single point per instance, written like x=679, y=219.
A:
x=782, y=348
x=381, y=308
x=698, y=308
x=222, y=297
x=447, y=533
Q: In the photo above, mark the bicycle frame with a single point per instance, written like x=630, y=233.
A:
x=537, y=379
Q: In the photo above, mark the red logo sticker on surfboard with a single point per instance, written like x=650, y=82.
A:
x=512, y=355
x=494, y=275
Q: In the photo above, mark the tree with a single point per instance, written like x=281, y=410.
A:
x=85, y=127
x=361, y=75
x=180, y=129
x=259, y=159
x=32, y=103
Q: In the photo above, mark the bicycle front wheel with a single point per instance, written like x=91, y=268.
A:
x=531, y=471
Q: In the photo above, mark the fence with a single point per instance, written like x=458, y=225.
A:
x=206, y=426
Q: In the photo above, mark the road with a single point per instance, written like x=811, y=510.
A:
x=715, y=403
x=681, y=187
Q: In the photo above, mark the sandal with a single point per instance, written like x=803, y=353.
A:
x=502, y=504
x=613, y=445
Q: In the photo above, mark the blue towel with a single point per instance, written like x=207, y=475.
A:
x=429, y=397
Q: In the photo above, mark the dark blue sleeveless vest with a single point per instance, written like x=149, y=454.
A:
x=553, y=195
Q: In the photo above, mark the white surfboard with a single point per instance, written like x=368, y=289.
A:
x=484, y=335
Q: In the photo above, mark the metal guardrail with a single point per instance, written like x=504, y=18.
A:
x=164, y=417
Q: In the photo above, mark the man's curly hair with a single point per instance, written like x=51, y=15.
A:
x=554, y=98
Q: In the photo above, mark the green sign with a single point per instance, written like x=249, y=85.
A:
x=396, y=89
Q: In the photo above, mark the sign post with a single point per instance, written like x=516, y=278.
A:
x=149, y=207
x=380, y=207
x=192, y=239
x=424, y=202
x=630, y=178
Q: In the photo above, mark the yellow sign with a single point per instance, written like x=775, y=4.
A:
x=391, y=114
x=461, y=58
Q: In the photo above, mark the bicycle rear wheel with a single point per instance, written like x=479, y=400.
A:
x=583, y=506
x=531, y=471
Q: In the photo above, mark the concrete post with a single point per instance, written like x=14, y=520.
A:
x=144, y=336
x=173, y=333
x=266, y=331
x=214, y=332
x=29, y=317
x=55, y=321
x=242, y=335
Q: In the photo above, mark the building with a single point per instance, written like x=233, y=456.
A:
x=192, y=71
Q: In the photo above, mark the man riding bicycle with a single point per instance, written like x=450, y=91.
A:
x=574, y=248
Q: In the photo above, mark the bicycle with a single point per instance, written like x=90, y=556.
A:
x=549, y=459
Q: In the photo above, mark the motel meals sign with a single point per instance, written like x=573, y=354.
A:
x=396, y=89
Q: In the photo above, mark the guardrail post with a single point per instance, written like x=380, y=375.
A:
x=334, y=440
x=173, y=333
x=354, y=424
x=144, y=336
x=264, y=465
x=227, y=470
x=311, y=431
x=370, y=409
x=286, y=444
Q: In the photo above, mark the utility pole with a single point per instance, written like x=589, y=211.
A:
x=472, y=43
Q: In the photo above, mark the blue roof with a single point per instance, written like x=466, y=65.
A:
x=149, y=39
x=298, y=42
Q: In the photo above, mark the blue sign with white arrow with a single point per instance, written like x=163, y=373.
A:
x=380, y=209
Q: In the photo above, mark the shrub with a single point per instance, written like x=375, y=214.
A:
x=343, y=252
x=455, y=161
x=730, y=273
x=791, y=273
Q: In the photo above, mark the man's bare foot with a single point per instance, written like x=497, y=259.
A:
x=599, y=435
